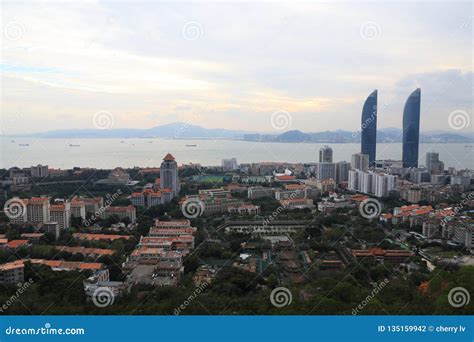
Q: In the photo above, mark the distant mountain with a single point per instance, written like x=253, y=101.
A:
x=181, y=130
x=178, y=130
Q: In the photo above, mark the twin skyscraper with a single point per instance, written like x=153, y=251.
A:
x=411, y=128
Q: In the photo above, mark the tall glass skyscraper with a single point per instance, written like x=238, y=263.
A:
x=411, y=129
x=369, y=127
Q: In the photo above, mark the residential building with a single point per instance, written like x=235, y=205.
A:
x=78, y=208
x=39, y=171
x=52, y=228
x=99, y=237
x=12, y=273
x=433, y=164
x=61, y=213
x=372, y=183
x=244, y=209
x=92, y=204
x=326, y=170
x=342, y=171
x=229, y=164
x=37, y=209
x=325, y=154
x=260, y=192
x=121, y=212
x=360, y=161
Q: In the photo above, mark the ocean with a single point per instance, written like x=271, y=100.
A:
x=110, y=153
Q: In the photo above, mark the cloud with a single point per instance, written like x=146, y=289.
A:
x=249, y=60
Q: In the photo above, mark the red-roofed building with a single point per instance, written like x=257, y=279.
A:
x=97, y=237
x=12, y=272
x=121, y=212
x=378, y=254
x=14, y=244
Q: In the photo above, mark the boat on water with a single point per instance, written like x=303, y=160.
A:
x=191, y=145
x=23, y=144
x=74, y=145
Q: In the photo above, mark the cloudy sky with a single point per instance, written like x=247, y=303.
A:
x=231, y=65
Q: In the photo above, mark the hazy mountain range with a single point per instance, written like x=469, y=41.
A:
x=180, y=130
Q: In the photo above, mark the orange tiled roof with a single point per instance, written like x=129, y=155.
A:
x=16, y=243
x=32, y=235
x=285, y=177
x=12, y=265
x=111, y=237
x=169, y=157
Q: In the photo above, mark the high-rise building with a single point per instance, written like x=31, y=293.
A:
x=61, y=213
x=169, y=175
x=342, y=171
x=325, y=154
x=39, y=171
x=411, y=129
x=433, y=164
x=37, y=209
x=229, y=164
x=360, y=161
x=379, y=184
x=369, y=127
x=326, y=171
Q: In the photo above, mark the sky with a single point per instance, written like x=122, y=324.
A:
x=234, y=65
